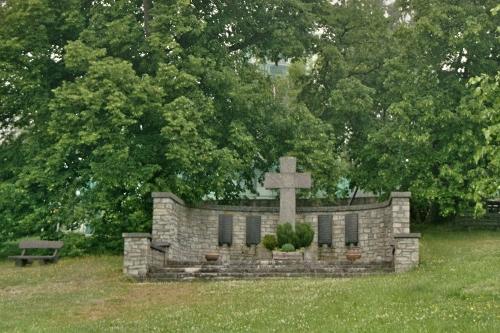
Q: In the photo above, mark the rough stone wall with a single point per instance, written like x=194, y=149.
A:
x=192, y=232
x=407, y=252
x=137, y=254
x=169, y=220
x=400, y=203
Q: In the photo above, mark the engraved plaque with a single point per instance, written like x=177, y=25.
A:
x=253, y=230
x=325, y=230
x=225, y=230
x=351, y=229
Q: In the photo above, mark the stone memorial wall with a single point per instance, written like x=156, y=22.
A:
x=189, y=233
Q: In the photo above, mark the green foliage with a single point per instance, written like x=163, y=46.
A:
x=304, y=235
x=104, y=113
x=288, y=247
x=270, y=242
x=285, y=234
x=427, y=139
x=483, y=105
x=98, y=107
x=75, y=245
x=9, y=248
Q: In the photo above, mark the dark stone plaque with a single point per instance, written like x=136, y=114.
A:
x=253, y=230
x=351, y=229
x=225, y=230
x=325, y=230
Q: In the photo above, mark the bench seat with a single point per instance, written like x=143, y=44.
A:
x=33, y=257
x=23, y=259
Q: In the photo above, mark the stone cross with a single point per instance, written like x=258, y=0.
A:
x=287, y=181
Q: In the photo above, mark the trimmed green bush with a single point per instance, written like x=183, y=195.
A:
x=285, y=234
x=288, y=247
x=304, y=235
x=270, y=242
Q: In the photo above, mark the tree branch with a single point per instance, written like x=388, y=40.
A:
x=247, y=42
x=146, y=7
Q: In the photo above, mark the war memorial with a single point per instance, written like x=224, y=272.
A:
x=220, y=241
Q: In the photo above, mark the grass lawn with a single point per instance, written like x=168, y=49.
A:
x=455, y=289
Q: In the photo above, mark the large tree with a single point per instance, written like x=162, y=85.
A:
x=137, y=96
x=429, y=137
x=343, y=85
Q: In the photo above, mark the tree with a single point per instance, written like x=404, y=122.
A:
x=483, y=105
x=145, y=98
x=428, y=140
x=344, y=87
x=33, y=34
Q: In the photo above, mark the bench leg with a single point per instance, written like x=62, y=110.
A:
x=21, y=262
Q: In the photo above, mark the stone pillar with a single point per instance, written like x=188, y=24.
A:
x=400, y=217
x=167, y=217
x=406, y=255
x=137, y=254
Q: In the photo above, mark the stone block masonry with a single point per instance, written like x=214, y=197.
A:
x=400, y=202
x=137, y=254
x=406, y=254
x=192, y=232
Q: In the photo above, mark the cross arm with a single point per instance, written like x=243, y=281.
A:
x=273, y=180
x=303, y=180
x=288, y=180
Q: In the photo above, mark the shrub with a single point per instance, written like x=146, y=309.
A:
x=270, y=242
x=288, y=247
x=285, y=234
x=304, y=235
x=75, y=245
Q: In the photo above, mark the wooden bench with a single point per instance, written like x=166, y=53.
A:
x=23, y=259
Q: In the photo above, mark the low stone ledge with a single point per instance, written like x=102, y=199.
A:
x=168, y=195
x=136, y=235
x=400, y=194
x=408, y=235
x=319, y=209
x=296, y=255
x=264, y=209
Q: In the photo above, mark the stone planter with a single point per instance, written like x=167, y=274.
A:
x=296, y=255
x=353, y=254
x=212, y=256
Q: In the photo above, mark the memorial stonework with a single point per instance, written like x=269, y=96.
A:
x=184, y=238
x=287, y=181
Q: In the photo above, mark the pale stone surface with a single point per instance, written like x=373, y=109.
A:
x=193, y=232
x=298, y=256
x=406, y=254
x=137, y=255
x=196, y=231
x=287, y=181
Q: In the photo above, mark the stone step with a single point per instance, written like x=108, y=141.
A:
x=235, y=272
x=273, y=267
x=252, y=275
x=183, y=263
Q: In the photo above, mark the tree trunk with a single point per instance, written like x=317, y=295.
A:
x=146, y=7
x=431, y=213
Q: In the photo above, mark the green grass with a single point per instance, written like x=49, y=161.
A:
x=455, y=289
